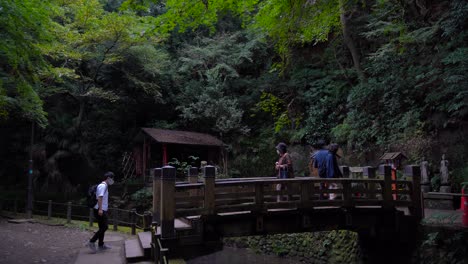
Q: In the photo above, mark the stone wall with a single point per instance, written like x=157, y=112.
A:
x=436, y=245
x=338, y=246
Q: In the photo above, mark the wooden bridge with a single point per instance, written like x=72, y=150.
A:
x=188, y=214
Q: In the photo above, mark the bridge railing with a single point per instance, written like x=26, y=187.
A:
x=259, y=195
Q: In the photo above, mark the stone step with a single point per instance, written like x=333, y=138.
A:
x=145, y=243
x=172, y=261
x=133, y=251
x=182, y=224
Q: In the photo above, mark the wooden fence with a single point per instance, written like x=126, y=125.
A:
x=69, y=211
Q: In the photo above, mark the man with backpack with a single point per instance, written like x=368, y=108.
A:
x=100, y=212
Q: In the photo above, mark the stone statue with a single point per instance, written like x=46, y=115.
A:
x=424, y=171
x=444, y=173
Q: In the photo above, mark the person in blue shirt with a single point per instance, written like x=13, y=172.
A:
x=320, y=158
x=333, y=171
x=320, y=162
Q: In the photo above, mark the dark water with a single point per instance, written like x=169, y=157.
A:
x=229, y=255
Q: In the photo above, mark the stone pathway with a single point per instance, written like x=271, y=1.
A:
x=115, y=255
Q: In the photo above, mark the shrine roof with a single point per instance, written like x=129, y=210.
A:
x=182, y=137
x=393, y=156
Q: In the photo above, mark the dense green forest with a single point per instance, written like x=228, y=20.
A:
x=372, y=75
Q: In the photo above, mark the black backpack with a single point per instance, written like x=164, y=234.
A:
x=91, y=200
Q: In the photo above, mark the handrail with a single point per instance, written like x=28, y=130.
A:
x=446, y=194
x=212, y=196
x=240, y=181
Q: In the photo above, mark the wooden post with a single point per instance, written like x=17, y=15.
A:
x=49, y=210
x=414, y=171
x=114, y=217
x=156, y=173
x=347, y=197
x=209, y=175
x=259, y=197
x=192, y=174
x=346, y=174
x=167, y=205
x=133, y=216
x=69, y=208
x=387, y=187
x=345, y=171
x=305, y=197
x=91, y=215
x=369, y=172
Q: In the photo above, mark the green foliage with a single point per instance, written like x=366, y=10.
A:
x=192, y=14
x=460, y=175
x=143, y=198
x=183, y=166
x=25, y=28
x=444, y=246
x=206, y=71
x=251, y=72
x=274, y=105
x=290, y=23
x=338, y=246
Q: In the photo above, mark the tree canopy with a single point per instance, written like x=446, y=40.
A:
x=372, y=75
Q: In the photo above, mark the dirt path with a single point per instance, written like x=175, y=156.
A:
x=39, y=243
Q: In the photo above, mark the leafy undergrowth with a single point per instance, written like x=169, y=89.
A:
x=338, y=246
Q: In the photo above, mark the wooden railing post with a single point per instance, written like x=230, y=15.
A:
x=386, y=170
x=133, y=221
x=347, y=197
x=369, y=172
x=167, y=205
x=346, y=174
x=156, y=173
x=305, y=195
x=209, y=175
x=69, y=208
x=91, y=215
x=114, y=218
x=414, y=171
x=259, y=197
x=259, y=200
x=345, y=171
x=192, y=174
x=49, y=210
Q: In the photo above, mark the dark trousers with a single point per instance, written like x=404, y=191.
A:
x=103, y=225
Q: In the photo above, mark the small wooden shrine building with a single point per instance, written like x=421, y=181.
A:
x=394, y=159
x=157, y=147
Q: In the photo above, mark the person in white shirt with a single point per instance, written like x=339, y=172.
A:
x=100, y=212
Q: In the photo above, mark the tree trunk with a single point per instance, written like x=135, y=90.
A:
x=350, y=42
x=80, y=117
